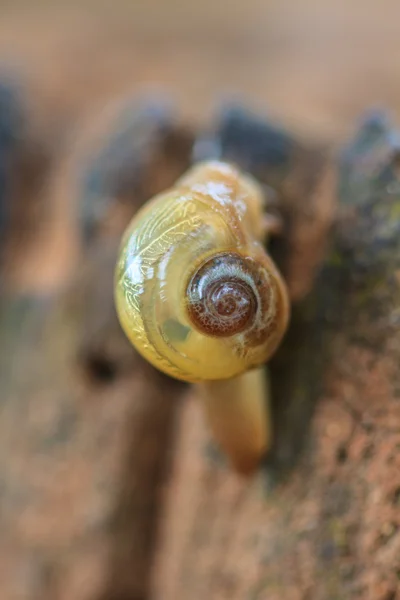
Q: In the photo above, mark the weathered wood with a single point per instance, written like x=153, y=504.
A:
x=85, y=424
x=87, y=428
x=331, y=529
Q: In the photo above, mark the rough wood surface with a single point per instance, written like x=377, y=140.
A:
x=83, y=494
x=86, y=425
x=330, y=529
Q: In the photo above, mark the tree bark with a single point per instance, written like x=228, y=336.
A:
x=92, y=437
x=85, y=424
x=325, y=526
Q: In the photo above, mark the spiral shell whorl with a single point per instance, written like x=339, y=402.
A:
x=231, y=294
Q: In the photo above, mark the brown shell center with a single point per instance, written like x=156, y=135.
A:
x=224, y=307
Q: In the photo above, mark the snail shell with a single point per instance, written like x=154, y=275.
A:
x=196, y=292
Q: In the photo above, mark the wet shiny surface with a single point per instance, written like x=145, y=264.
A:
x=194, y=316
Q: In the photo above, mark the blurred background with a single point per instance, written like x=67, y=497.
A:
x=314, y=63
x=314, y=66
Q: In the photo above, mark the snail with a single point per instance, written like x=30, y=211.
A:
x=200, y=298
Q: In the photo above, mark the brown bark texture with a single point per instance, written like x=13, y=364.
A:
x=86, y=425
x=111, y=486
x=322, y=519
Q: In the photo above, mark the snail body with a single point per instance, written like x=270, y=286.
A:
x=196, y=292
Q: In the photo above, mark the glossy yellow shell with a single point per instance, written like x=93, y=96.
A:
x=209, y=226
